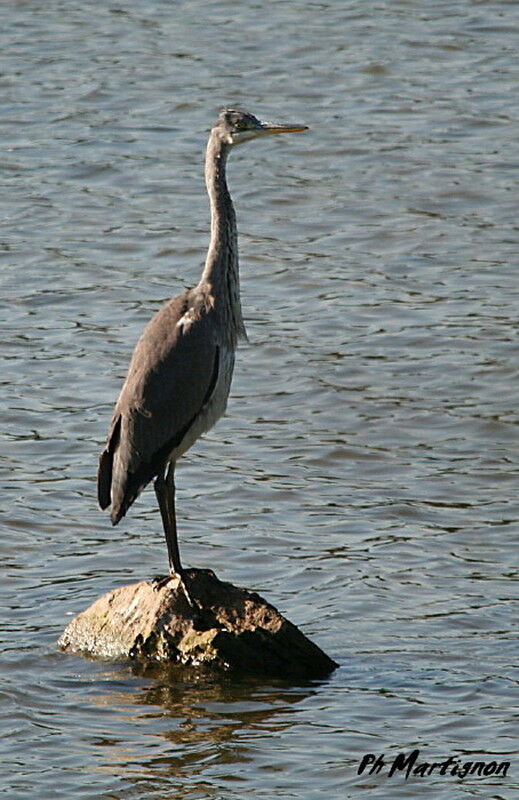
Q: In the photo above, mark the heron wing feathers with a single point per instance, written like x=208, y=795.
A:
x=171, y=376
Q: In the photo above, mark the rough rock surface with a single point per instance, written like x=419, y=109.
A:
x=219, y=625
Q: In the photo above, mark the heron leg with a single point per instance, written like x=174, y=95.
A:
x=165, y=490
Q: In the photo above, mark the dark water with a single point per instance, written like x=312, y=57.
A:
x=365, y=477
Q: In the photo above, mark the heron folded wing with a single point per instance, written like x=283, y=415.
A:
x=173, y=371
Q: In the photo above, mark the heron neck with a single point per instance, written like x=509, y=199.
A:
x=221, y=273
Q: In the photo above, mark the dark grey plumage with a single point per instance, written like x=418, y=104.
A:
x=180, y=373
x=168, y=362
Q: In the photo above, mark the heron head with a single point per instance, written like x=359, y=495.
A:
x=236, y=127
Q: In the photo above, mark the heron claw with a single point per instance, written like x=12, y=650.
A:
x=182, y=583
x=159, y=581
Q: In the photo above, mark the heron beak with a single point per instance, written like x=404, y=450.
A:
x=274, y=127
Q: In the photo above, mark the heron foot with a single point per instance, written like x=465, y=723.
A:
x=182, y=583
x=160, y=581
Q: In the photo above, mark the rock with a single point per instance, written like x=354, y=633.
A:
x=219, y=625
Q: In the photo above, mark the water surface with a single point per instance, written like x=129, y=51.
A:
x=364, y=479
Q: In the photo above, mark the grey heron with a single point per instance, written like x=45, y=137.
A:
x=180, y=373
